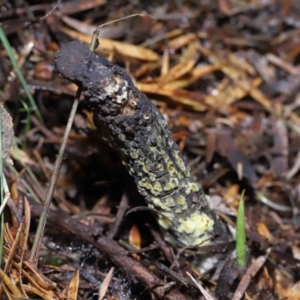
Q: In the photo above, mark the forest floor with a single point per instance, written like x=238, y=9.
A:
x=226, y=76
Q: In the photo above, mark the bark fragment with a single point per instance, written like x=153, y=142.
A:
x=139, y=132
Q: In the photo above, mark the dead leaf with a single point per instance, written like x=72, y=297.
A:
x=110, y=45
x=263, y=230
x=135, y=239
x=191, y=99
x=72, y=293
x=191, y=77
x=182, y=40
x=177, y=71
x=105, y=284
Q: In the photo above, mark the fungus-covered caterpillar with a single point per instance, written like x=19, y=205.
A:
x=137, y=129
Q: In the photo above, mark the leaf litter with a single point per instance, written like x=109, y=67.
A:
x=225, y=75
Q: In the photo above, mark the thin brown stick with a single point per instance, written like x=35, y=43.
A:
x=43, y=219
x=119, y=216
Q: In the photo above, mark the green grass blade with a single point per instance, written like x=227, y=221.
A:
x=12, y=58
x=240, y=246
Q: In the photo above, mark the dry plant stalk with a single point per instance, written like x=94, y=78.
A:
x=137, y=129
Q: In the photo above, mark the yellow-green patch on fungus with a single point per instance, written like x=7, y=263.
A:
x=134, y=154
x=121, y=137
x=194, y=186
x=179, y=162
x=186, y=225
x=145, y=169
x=156, y=201
x=197, y=226
x=170, y=168
x=187, y=190
x=146, y=184
x=164, y=221
x=160, y=204
x=157, y=186
x=170, y=202
x=203, y=221
x=179, y=175
x=181, y=201
x=152, y=177
x=172, y=184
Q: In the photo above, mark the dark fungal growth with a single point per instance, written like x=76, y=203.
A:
x=139, y=132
